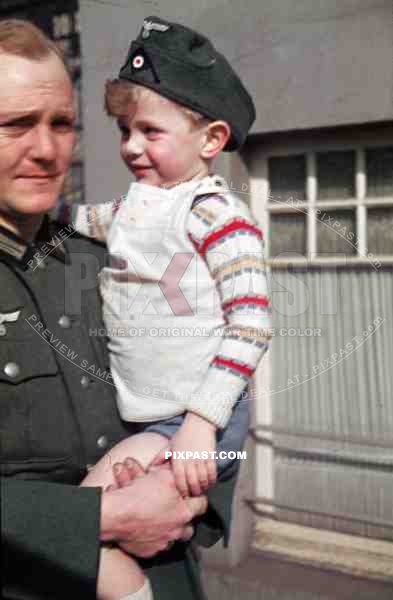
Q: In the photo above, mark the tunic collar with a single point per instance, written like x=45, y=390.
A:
x=20, y=252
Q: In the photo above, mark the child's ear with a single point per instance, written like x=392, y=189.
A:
x=217, y=134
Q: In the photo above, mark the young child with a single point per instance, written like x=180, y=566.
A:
x=184, y=295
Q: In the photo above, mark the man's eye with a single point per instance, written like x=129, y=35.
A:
x=21, y=123
x=63, y=124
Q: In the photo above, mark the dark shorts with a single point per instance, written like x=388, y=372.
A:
x=230, y=439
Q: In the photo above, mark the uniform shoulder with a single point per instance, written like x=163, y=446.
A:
x=82, y=244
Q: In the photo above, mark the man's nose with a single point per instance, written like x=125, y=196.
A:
x=44, y=144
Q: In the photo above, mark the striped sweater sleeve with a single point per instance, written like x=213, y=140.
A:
x=231, y=244
x=91, y=220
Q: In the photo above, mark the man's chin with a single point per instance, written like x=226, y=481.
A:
x=34, y=204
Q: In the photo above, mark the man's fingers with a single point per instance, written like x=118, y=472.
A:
x=125, y=472
x=110, y=488
x=197, y=506
x=134, y=468
x=160, y=458
x=121, y=474
x=166, y=466
x=187, y=534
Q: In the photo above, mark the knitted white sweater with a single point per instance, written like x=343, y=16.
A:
x=186, y=328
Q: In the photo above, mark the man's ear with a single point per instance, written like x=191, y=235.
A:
x=217, y=134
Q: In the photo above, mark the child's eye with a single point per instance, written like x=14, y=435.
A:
x=125, y=132
x=151, y=131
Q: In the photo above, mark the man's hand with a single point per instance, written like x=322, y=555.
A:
x=194, y=475
x=149, y=513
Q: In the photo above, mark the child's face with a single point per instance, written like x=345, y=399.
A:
x=160, y=144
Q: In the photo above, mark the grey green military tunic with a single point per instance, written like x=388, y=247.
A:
x=58, y=416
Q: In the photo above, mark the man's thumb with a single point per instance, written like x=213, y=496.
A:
x=161, y=457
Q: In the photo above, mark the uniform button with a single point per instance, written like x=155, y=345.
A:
x=3, y=330
x=85, y=382
x=12, y=370
x=102, y=441
x=64, y=322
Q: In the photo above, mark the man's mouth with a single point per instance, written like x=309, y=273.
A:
x=37, y=176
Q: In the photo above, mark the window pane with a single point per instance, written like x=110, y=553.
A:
x=379, y=168
x=336, y=174
x=287, y=234
x=335, y=230
x=380, y=230
x=287, y=177
x=62, y=25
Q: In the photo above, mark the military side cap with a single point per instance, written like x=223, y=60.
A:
x=184, y=66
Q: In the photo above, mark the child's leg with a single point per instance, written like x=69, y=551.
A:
x=141, y=446
x=120, y=577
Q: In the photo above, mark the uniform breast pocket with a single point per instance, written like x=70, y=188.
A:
x=34, y=415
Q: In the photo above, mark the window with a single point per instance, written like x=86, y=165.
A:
x=333, y=202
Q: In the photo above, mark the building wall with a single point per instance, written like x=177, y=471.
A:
x=307, y=63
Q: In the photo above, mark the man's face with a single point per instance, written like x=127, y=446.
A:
x=160, y=144
x=37, y=134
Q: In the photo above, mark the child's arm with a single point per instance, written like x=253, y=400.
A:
x=91, y=220
x=232, y=246
x=196, y=471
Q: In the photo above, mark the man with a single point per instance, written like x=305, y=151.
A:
x=58, y=412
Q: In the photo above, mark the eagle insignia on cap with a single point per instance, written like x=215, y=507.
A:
x=149, y=26
x=138, y=61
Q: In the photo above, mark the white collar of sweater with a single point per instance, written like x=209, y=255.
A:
x=211, y=184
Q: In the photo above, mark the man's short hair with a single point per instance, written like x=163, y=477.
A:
x=24, y=39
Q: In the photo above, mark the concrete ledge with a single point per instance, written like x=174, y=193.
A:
x=264, y=578
x=357, y=556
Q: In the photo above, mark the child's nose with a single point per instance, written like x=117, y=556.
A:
x=134, y=145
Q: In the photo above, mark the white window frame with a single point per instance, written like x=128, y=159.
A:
x=263, y=208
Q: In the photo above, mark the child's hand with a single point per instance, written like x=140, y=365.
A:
x=193, y=476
